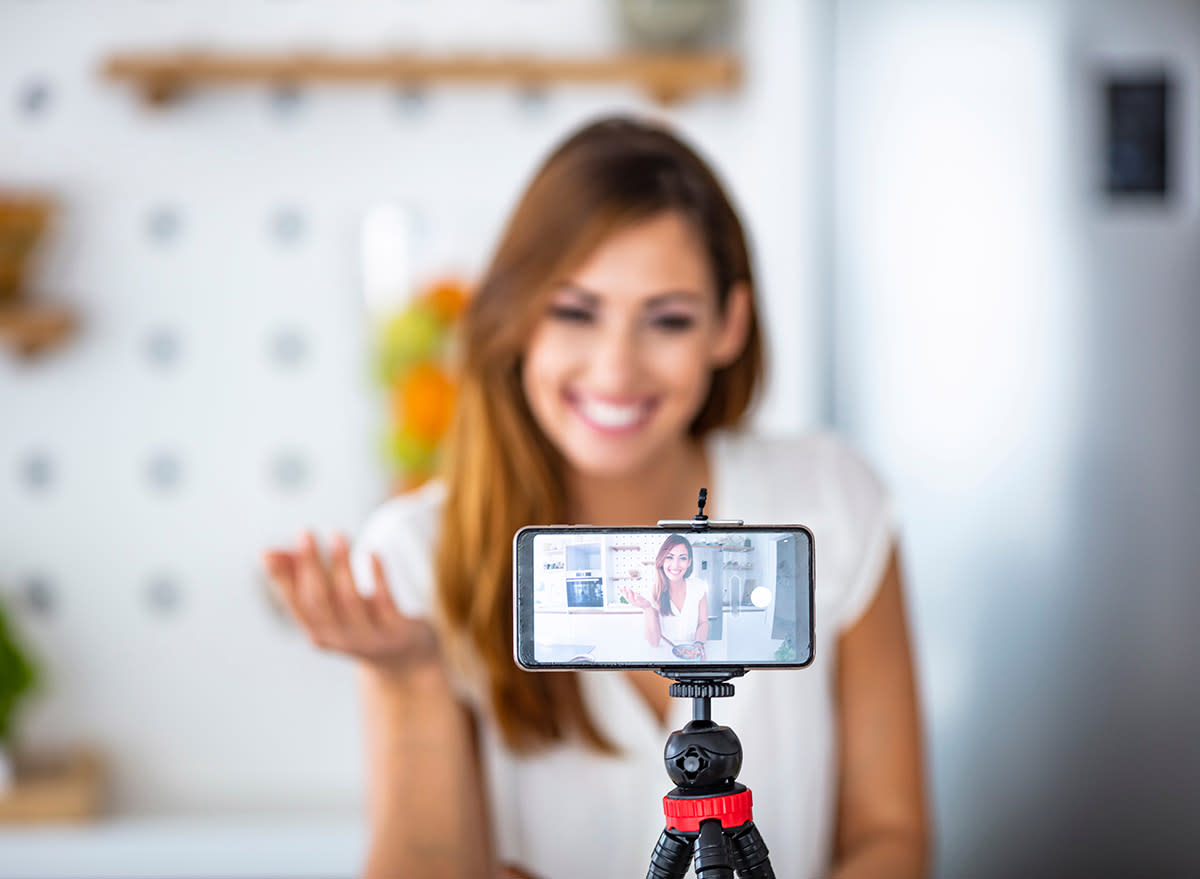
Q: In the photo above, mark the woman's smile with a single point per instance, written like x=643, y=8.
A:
x=611, y=415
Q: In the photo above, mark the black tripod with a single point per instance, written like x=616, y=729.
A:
x=708, y=813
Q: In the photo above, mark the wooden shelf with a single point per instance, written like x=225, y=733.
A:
x=162, y=77
x=32, y=329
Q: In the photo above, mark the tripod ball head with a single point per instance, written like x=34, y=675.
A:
x=703, y=754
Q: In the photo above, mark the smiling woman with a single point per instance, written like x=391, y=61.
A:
x=609, y=354
x=613, y=329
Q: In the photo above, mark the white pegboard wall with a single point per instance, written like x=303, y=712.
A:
x=218, y=398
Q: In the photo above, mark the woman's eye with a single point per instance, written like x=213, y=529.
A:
x=570, y=313
x=674, y=323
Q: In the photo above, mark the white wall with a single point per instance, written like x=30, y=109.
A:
x=215, y=704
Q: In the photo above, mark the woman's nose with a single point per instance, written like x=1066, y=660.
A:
x=614, y=363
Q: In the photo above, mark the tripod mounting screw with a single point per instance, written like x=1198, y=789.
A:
x=690, y=690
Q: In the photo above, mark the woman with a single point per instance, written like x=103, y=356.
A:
x=679, y=612
x=609, y=354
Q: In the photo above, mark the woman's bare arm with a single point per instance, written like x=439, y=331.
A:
x=882, y=824
x=652, y=626
x=426, y=797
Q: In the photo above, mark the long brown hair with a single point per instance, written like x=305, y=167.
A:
x=502, y=473
x=662, y=583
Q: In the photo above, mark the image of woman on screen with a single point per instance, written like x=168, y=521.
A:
x=678, y=613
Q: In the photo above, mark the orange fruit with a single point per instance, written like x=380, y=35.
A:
x=423, y=403
x=446, y=298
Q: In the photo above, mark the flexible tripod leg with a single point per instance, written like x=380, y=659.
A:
x=749, y=853
x=712, y=852
x=672, y=855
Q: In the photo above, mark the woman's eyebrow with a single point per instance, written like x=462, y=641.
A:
x=582, y=292
x=672, y=296
x=667, y=297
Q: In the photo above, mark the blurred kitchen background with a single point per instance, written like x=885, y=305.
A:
x=976, y=229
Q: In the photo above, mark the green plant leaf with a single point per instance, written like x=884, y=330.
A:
x=18, y=675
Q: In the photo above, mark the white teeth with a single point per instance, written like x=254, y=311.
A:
x=610, y=415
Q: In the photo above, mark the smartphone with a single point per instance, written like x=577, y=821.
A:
x=662, y=598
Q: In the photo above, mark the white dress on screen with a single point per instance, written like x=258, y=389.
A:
x=569, y=813
x=680, y=626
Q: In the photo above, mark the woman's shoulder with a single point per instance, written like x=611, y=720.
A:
x=821, y=480
x=412, y=516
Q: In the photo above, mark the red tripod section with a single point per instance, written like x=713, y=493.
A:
x=733, y=810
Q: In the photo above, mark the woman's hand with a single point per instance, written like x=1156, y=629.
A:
x=636, y=598
x=335, y=616
x=651, y=624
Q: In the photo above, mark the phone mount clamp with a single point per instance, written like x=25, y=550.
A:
x=699, y=522
x=708, y=813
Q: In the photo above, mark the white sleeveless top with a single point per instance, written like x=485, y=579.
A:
x=680, y=626
x=569, y=813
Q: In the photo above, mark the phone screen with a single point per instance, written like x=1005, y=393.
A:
x=654, y=598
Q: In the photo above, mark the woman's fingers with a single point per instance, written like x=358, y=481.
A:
x=313, y=591
x=281, y=569
x=384, y=605
x=278, y=563
x=351, y=606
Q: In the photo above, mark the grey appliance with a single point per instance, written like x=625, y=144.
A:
x=585, y=589
x=707, y=565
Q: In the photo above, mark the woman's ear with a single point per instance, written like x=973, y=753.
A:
x=734, y=326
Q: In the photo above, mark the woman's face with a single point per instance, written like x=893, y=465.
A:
x=620, y=363
x=676, y=561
